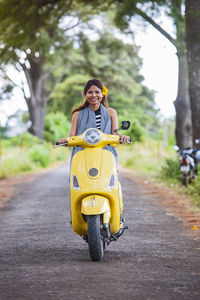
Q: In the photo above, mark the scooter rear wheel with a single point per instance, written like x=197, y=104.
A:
x=185, y=180
x=95, y=239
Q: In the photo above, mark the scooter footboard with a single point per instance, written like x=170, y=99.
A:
x=96, y=205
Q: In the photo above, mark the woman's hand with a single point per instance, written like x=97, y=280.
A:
x=124, y=139
x=62, y=140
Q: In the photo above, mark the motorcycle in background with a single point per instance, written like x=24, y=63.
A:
x=188, y=158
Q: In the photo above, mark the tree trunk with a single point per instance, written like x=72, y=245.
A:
x=193, y=54
x=37, y=114
x=183, y=130
x=36, y=78
x=182, y=106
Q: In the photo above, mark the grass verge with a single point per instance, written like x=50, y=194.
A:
x=151, y=160
x=30, y=156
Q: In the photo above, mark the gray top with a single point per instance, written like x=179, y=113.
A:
x=87, y=119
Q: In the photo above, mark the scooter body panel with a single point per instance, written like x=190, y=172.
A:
x=93, y=184
x=96, y=205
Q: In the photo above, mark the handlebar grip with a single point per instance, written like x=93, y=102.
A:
x=57, y=143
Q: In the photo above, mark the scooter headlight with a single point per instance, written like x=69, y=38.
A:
x=92, y=136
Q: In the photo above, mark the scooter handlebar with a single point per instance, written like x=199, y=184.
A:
x=59, y=145
x=130, y=142
x=70, y=142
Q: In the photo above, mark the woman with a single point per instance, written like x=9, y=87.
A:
x=95, y=113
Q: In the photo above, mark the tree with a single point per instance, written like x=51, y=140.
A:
x=193, y=52
x=118, y=65
x=126, y=10
x=33, y=43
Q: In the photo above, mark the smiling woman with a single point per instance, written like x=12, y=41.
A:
x=94, y=93
x=94, y=113
x=95, y=102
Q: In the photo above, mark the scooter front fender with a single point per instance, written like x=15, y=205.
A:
x=96, y=205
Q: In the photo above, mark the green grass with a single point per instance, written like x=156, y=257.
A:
x=193, y=190
x=148, y=159
x=145, y=159
x=151, y=160
x=20, y=159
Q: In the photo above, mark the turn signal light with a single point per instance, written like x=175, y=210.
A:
x=75, y=183
x=112, y=181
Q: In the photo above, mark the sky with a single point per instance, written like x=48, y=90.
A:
x=160, y=71
x=160, y=68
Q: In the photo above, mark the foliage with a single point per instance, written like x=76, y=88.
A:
x=34, y=29
x=40, y=155
x=4, y=130
x=37, y=42
x=135, y=131
x=17, y=158
x=68, y=93
x=171, y=169
x=170, y=172
x=56, y=126
x=6, y=90
x=118, y=65
x=46, y=53
x=193, y=190
x=24, y=140
x=151, y=13
x=13, y=166
x=144, y=158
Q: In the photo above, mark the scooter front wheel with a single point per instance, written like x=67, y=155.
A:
x=95, y=239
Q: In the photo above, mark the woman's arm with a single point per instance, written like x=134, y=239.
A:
x=74, y=124
x=114, y=120
x=73, y=130
x=114, y=125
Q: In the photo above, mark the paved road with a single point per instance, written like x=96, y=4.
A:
x=41, y=258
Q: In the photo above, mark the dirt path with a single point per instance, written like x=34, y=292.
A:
x=40, y=258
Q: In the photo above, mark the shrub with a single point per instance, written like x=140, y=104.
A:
x=171, y=169
x=25, y=139
x=13, y=166
x=56, y=126
x=135, y=130
x=40, y=155
x=193, y=190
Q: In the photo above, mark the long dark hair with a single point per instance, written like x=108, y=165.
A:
x=90, y=83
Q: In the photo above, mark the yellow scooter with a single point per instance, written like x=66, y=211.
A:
x=96, y=195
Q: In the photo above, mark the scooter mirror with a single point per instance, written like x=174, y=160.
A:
x=176, y=148
x=125, y=125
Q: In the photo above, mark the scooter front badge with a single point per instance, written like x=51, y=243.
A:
x=93, y=201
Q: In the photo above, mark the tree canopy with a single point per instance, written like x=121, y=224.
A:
x=118, y=65
x=150, y=11
x=39, y=39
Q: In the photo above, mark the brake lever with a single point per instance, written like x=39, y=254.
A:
x=126, y=142
x=59, y=145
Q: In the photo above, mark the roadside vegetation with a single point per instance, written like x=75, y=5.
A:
x=26, y=153
x=150, y=160
x=54, y=62
x=170, y=173
x=146, y=157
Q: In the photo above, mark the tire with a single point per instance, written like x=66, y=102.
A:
x=95, y=240
x=185, y=181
